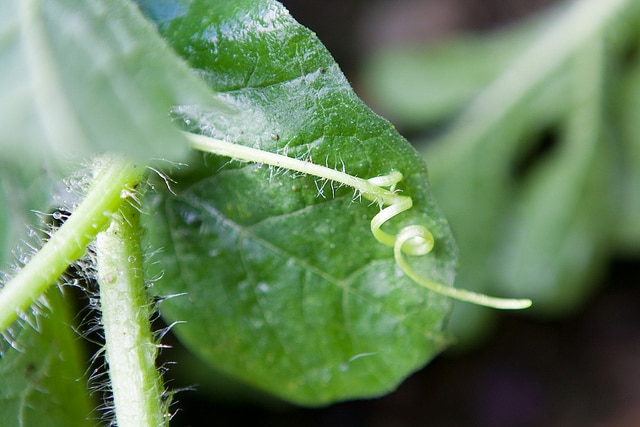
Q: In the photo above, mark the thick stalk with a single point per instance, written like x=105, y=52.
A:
x=130, y=348
x=114, y=176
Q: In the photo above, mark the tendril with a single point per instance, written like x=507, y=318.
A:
x=412, y=240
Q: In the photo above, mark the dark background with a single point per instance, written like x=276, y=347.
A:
x=583, y=370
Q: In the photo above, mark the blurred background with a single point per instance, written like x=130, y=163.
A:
x=534, y=154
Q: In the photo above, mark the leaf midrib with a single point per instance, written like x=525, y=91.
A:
x=343, y=283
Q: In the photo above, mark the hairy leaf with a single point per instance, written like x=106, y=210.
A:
x=285, y=287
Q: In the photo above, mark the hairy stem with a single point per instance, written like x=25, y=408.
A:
x=412, y=240
x=249, y=154
x=130, y=347
x=113, y=176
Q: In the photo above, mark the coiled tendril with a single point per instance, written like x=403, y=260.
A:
x=413, y=240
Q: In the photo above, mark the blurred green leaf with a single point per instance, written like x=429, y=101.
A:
x=285, y=286
x=84, y=77
x=43, y=382
x=558, y=236
x=476, y=185
x=627, y=223
x=420, y=85
x=528, y=222
x=23, y=190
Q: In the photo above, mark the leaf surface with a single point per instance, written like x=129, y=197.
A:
x=422, y=84
x=285, y=286
x=84, y=77
x=628, y=221
x=42, y=378
x=24, y=190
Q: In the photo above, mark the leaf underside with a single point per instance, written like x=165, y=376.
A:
x=285, y=286
x=82, y=78
x=43, y=379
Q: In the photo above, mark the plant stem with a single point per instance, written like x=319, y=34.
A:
x=249, y=154
x=113, y=176
x=411, y=240
x=130, y=348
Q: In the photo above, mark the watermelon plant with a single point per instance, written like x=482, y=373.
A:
x=206, y=159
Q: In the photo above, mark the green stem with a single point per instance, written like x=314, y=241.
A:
x=249, y=154
x=412, y=240
x=113, y=177
x=130, y=348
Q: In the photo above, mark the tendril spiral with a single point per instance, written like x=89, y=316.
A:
x=412, y=240
x=417, y=240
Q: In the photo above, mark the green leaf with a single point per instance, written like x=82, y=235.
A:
x=419, y=85
x=475, y=166
x=43, y=381
x=18, y=201
x=83, y=77
x=285, y=286
x=558, y=237
x=476, y=186
x=422, y=85
x=545, y=238
x=473, y=187
x=627, y=224
x=557, y=241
